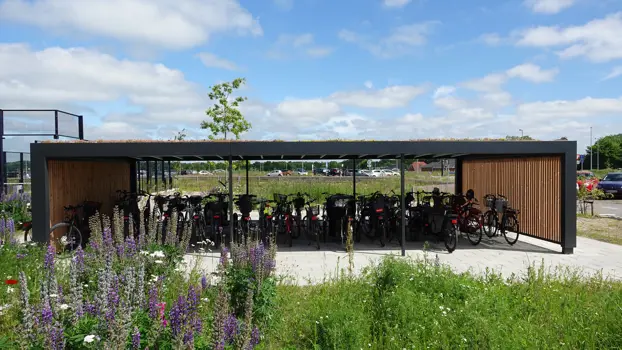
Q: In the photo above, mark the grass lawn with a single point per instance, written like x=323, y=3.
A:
x=602, y=229
x=404, y=304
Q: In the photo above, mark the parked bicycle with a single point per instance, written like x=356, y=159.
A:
x=508, y=225
x=74, y=230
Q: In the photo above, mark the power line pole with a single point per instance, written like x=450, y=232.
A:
x=591, y=151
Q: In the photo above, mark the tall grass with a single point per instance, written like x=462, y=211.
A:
x=418, y=305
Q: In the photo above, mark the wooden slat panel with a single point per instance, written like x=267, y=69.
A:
x=73, y=182
x=532, y=185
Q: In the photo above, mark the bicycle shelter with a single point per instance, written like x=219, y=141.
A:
x=539, y=177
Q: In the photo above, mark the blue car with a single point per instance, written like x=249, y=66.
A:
x=612, y=184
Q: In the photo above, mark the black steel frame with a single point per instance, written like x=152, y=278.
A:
x=56, y=135
x=277, y=150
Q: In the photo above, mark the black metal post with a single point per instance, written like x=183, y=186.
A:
x=5, y=173
x=354, y=181
x=148, y=176
x=21, y=170
x=170, y=176
x=133, y=182
x=163, y=174
x=568, y=201
x=458, y=176
x=231, y=199
x=403, y=204
x=2, y=149
x=56, y=132
x=40, y=195
x=81, y=127
x=155, y=174
x=140, y=187
x=247, y=176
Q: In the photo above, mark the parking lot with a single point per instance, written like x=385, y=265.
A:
x=608, y=208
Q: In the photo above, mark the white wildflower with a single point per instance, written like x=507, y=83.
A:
x=158, y=254
x=159, y=262
x=63, y=306
x=9, y=290
x=53, y=295
x=90, y=338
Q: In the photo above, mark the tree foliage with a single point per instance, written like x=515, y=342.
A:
x=226, y=118
x=609, y=151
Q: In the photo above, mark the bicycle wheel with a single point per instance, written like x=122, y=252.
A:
x=474, y=229
x=450, y=237
x=67, y=236
x=490, y=224
x=511, y=229
x=383, y=233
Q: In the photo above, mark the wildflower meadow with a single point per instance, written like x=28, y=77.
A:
x=136, y=293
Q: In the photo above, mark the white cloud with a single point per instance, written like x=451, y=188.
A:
x=444, y=90
x=532, y=73
x=598, y=40
x=489, y=83
x=301, y=44
x=615, y=72
x=396, y=3
x=213, y=61
x=491, y=39
x=561, y=109
x=389, y=97
x=549, y=6
x=402, y=40
x=171, y=24
x=368, y=84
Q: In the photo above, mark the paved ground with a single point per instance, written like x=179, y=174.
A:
x=302, y=264
x=608, y=207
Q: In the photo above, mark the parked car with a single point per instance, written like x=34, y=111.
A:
x=334, y=172
x=302, y=172
x=376, y=173
x=204, y=172
x=611, y=184
x=391, y=172
x=322, y=171
x=587, y=180
x=362, y=173
x=275, y=173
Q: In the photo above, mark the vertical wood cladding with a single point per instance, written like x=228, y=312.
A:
x=532, y=185
x=73, y=182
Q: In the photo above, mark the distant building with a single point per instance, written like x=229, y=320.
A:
x=450, y=164
x=416, y=166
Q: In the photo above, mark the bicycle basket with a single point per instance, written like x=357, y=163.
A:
x=315, y=211
x=501, y=204
x=341, y=202
x=280, y=198
x=490, y=202
x=245, y=204
x=299, y=202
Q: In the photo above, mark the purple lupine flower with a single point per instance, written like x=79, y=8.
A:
x=91, y=309
x=107, y=237
x=203, y=283
x=46, y=315
x=130, y=246
x=57, y=338
x=94, y=245
x=255, y=337
x=20, y=256
x=136, y=339
x=61, y=295
x=153, y=301
x=120, y=250
x=79, y=259
x=220, y=345
x=177, y=316
x=230, y=328
x=48, y=263
x=224, y=257
x=10, y=225
x=193, y=310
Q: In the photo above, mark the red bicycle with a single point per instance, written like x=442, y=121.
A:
x=470, y=219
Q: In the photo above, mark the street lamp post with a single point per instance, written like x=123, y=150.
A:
x=591, y=151
x=522, y=134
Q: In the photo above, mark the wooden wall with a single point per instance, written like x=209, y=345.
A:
x=73, y=182
x=532, y=185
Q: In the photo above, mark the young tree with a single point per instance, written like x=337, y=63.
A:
x=225, y=116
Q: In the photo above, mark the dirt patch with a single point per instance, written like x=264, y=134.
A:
x=602, y=229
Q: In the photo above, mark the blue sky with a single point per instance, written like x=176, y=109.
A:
x=317, y=69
